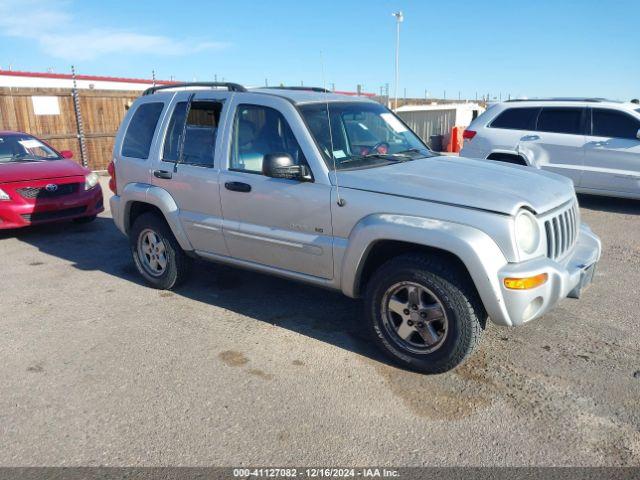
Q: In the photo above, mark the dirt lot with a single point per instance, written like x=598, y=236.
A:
x=237, y=368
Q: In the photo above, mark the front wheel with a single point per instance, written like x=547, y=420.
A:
x=156, y=252
x=423, y=313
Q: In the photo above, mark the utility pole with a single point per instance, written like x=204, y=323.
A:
x=399, y=19
x=79, y=123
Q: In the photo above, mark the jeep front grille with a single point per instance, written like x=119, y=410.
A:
x=562, y=232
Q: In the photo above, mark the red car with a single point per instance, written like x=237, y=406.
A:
x=40, y=185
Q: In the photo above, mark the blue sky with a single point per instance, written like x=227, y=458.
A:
x=522, y=48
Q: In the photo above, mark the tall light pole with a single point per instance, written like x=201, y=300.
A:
x=399, y=19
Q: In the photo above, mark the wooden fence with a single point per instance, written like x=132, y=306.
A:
x=102, y=111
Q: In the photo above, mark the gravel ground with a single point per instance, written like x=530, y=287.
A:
x=237, y=368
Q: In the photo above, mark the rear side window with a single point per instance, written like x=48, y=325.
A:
x=516, y=119
x=198, y=146
x=609, y=123
x=137, y=140
x=560, y=120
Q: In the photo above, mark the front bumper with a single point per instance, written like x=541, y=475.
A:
x=20, y=213
x=564, y=280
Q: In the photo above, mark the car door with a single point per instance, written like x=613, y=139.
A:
x=188, y=165
x=557, y=143
x=276, y=222
x=612, y=152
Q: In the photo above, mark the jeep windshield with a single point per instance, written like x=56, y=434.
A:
x=361, y=135
x=24, y=148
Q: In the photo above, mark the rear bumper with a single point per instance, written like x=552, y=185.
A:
x=564, y=280
x=115, y=206
x=23, y=214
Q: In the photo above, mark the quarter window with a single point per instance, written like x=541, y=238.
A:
x=516, y=119
x=560, y=120
x=199, y=133
x=258, y=131
x=137, y=140
x=609, y=123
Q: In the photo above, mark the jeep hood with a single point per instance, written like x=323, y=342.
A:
x=46, y=169
x=480, y=184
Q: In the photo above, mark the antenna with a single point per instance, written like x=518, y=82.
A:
x=340, y=201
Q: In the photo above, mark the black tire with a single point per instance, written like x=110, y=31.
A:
x=465, y=315
x=508, y=158
x=177, y=262
x=83, y=220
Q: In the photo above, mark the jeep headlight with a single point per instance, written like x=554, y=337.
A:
x=527, y=232
x=90, y=180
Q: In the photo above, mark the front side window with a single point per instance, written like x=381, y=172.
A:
x=612, y=124
x=560, y=120
x=258, y=131
x=192, y=142
x=516, y=119
x=137, y=140
x=24, y=148
x=361, y=135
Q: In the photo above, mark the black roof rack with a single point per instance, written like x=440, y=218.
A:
x=306, y=89
x=232, y=87
x=559, y=99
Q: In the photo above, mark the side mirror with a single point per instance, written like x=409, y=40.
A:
x=281, y=165
x=66, y=154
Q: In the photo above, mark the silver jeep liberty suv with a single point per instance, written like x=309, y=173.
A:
x=336, y=191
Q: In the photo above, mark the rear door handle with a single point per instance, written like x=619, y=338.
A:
x=162, y=174
x=238, y=187
x=530, y=138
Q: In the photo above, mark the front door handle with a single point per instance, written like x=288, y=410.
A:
x=238, y=187
x=162, y=174
x=530, y=138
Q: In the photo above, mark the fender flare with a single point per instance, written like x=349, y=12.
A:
x=161, y=199
x=476, y=250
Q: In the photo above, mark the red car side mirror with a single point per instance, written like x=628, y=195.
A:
x=66, y=154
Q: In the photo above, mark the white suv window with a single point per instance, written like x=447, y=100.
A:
x=517, y=119
x=613, y=124
x=560, y=120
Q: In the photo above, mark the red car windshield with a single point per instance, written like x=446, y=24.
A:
x=24, y=148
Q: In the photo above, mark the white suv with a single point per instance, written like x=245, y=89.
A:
x=594, y=142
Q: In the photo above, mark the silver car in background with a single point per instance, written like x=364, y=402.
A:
x=594, y=142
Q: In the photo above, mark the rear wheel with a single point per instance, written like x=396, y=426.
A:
x=507, y=158
x=156, y=252
x=423, y=313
